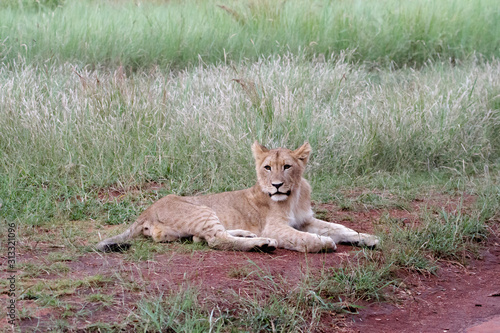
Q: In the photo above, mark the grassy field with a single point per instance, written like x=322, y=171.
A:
x=176, y=34
x=399, y=100
x=67, y=132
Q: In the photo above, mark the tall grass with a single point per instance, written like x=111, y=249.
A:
x=177, y=34
x=66, y=131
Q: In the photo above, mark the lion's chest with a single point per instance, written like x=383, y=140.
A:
x=298, y=217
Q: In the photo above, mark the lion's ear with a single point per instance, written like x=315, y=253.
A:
x=258, y=150
x=302, y=153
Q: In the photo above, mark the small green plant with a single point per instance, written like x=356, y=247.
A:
x=30, y=269
x=145, y=249
x=26, y=313
x=321, y=213
x=188, y=246
x=403, y=249
x=100, y=298
x=179, y=312
x=488, y=203
x=439, y=236
x=115, y=212
x=62, y=256
x=53, y=301
x=356, y=279
x=449, y=236
x=60, y=325
x=102, y=327
x=239, y=272
x=272, y=314
x=120, y=212
x=56, y=288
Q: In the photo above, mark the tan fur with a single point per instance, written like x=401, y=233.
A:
x=276, y=212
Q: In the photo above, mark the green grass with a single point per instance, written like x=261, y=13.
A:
x=30, y=269
x=58, y=257
x=179, y=312
x=185, y=33
x=100, y=298
x=440, y=236
x=143, y=250
x=61, y=140
x=272, y=305
x=279, y=310
x=355, y=280
x=59, y=287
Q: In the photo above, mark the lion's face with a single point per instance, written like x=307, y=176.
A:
x=279, y=171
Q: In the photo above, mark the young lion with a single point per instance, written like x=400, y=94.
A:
x=275, y=212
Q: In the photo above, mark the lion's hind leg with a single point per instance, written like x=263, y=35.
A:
x=240, y=240
x=202, y=223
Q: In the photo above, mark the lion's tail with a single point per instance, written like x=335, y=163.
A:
x=119, y=243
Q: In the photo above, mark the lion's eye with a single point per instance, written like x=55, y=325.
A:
x=287, y=166
x=267, y=167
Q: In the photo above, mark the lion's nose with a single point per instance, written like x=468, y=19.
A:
x=277, y=185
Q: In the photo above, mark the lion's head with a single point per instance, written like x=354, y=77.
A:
x=279, y=171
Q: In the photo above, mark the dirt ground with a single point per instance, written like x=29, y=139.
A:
x=457, y=298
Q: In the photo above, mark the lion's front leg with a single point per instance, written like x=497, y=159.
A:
x=241, y=233
x=340, y=233
x=293, y=239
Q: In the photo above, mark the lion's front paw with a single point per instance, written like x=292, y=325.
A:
x=317, y=244
x=368, y=240
x=266, y=245
x=327, y=244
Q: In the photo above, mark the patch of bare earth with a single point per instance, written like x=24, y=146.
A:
x=456, y=298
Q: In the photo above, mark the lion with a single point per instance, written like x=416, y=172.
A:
x=274, y=213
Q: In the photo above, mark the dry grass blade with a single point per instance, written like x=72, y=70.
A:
x=234, y=14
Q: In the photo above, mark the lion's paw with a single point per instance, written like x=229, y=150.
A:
x=327, y=244
x=317, y=244
x=266, y=245
x=368, y=240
